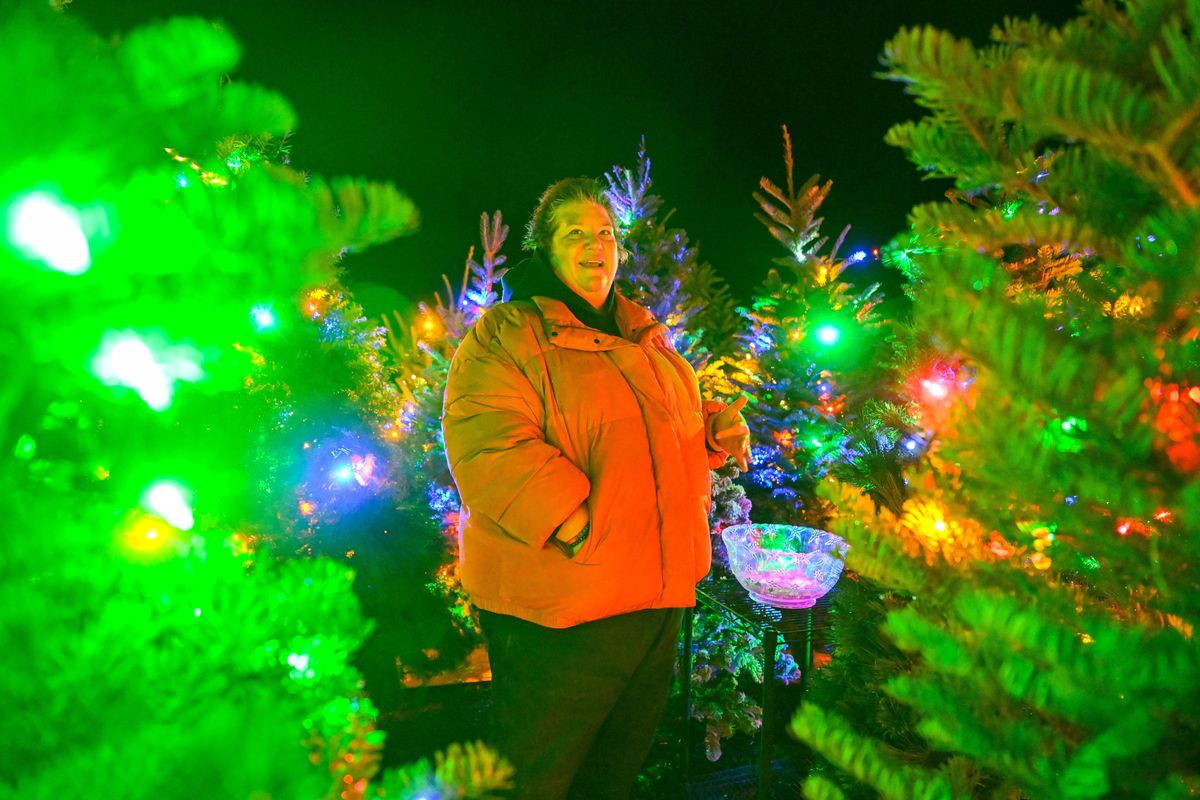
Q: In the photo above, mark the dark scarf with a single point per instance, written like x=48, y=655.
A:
x=533, y=276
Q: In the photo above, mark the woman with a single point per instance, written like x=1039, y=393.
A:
x=581, y=450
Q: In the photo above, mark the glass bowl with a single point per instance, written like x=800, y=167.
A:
x=785, y=566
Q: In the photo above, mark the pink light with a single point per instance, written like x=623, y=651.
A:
x=363, y=468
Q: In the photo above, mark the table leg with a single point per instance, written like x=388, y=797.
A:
x=770, y=645
x=808, y=655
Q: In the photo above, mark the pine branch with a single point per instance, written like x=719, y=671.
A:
x=818, y=788
x=832, y=737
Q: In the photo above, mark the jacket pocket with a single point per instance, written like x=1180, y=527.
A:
x=599, y=531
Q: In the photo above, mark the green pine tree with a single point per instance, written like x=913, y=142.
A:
x=808, y=358
x=154, y=651
x=1043, y=565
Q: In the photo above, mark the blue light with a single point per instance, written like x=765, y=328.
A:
x=442, y=498
x=857, y=257
x=910, y=445
x=1071, y=499
x=343, y=473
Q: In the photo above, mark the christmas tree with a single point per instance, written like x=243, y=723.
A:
x=1038, y=619
x=418, y=355
x=809, y=356
x=158, y=647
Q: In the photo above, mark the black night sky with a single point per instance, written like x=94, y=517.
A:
x=477, y=106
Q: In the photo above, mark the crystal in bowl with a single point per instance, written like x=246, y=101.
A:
x=785, y=565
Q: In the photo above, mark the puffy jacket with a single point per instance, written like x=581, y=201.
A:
x=542, y=413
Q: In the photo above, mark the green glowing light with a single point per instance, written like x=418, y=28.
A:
x=126, y=359
x=171, y=501
x=1066, y=435
x=26, y=447
x=42, y=228
x=1073, y=424
x=828, y=334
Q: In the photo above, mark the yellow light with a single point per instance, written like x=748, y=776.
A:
x=147, y=537
x=209, y=178
x=239, y=544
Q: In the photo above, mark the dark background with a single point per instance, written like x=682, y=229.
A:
x=478, y=106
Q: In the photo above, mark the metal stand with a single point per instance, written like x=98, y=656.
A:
x=722, y=594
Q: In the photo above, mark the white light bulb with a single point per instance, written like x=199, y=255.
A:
x=42, y=228
x=172, y=502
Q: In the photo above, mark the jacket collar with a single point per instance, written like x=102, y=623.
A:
x=637, y=325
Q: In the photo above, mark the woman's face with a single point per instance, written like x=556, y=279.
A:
x=583, y=252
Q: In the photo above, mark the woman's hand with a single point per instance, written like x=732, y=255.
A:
x=728, y=428
x=572, y=525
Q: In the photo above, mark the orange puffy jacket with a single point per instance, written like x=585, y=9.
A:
x=542, y=413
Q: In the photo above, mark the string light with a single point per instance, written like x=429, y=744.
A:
x=171, y=501
x=147, y=537
x=828, y=334
x=363, y=468
x=43, y=228
x=25, y=448
x=125, y=358
x=209, y=178
x=935, y=389
x=263, y=316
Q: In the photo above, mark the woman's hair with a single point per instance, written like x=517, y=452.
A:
x=540, y=232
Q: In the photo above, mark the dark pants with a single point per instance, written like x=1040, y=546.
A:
x=575, y=709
